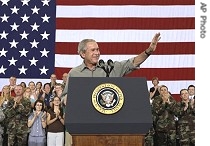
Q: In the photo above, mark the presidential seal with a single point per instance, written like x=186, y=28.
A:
x=107, y=98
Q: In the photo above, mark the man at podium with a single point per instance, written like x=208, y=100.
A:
x=91, y=66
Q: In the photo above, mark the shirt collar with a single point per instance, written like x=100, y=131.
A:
x=83, y=66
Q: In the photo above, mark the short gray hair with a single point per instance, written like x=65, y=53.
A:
x=83, y=45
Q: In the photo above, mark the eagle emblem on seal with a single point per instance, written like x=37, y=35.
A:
x=107, y=98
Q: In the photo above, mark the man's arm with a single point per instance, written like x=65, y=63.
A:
x=145, y=54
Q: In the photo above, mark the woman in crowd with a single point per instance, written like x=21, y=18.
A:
x=4, y=99
x=55, y=122
x=37, y=125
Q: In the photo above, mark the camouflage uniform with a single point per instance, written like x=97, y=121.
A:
x=149, y=138
x=186, y=124
x=2, y=116
x=17, y=119
x=165, y=127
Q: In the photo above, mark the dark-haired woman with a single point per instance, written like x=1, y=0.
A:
x=37, y=124
x=55, y=122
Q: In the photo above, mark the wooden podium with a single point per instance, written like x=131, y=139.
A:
x=88, y=118
x=108, y=140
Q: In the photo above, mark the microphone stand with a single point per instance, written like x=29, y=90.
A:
x=106, y=69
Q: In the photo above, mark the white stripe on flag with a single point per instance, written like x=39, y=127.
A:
x=154, y=61
x=125, y=35
x=125, y=11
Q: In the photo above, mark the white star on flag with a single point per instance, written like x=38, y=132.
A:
x=23, y=53
x=25, y=18
x=45, y=35
x=2, y=70
x=35, y=27
x=44, y=52
x=34, y=44
x=33, y=61
x=43, y=70
x=35, y=10
x=14, y=10
x=45, y=18
x=45, y=2
x=12, y=61
x=13, y=44
x=3, y=52
x=24, y=35
x=22, y=70
x=4, y=18
x=4, y=35
x=25, y=2
x=5, y=2
x=14, y=26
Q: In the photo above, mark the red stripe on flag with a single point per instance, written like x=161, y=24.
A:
x=149, y=73
x=176, y=97
x=125, y=2
x=165, y=73
x=125, y=23
x=130, y=48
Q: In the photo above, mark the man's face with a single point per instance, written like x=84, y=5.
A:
x=18, y=90
x=184, y=95
x=12, y=81
x=65, y=75
x=53, y=78
x=191, y=91
x=92, y=53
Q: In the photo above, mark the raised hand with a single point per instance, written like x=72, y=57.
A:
x=153, y=44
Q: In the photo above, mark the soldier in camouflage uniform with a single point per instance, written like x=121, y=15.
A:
x=149, y=137
x=17, y=113
x=2, y=116
x=164, y=107
x=186, y=119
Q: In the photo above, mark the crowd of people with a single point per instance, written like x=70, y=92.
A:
x=33, y=114
x=173, y=121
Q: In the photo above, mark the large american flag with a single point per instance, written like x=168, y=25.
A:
x=40, y=37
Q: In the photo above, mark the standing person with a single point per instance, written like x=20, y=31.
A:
x=64, y=78
x=2, y=116
x=46, y=96
x=191, y=90
x=164, y=109
x=23, y=84
x=4, y=99
x=154, y=91
x=12, y=84
x=37, y=124
x=88, y=50
x=186, y=119
x=5, y=96
x=39, y=91
x=53, y=82
x=17, y=113
x=33, y=96
x=55, y=122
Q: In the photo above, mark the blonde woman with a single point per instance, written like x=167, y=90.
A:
x=5, y=96
x=4, y=100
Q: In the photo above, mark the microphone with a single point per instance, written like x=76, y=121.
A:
x=110, y=64
x=102, y=65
